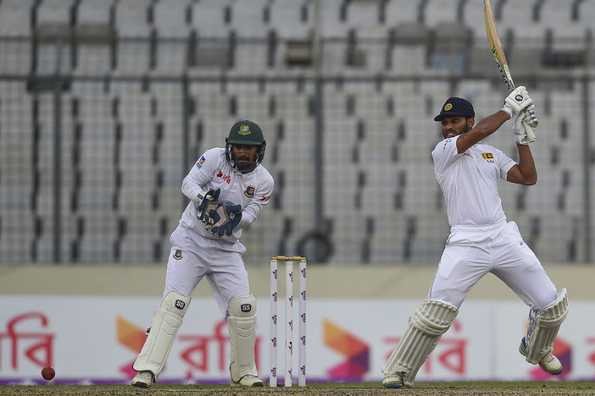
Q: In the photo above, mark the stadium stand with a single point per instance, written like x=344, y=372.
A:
x=146, y=86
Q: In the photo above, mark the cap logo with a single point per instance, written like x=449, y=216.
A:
x=244, y=130
x=448, y=107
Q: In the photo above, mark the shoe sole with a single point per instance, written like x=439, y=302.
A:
x=254, y=385
x=551, y=372
x=392, y=386
x=523, y=351
x=140, y=385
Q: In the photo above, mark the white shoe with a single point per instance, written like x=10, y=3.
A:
x=551, y=364
x=248, y=380
x=394, y=381
x=548, y=362
x=143, y=379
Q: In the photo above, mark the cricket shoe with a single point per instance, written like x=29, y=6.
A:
x=395, y=381
x=548, y=362
x=248, y=380
x=143, y=379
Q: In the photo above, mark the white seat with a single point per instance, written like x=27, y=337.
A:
x=131, y=18
x=170, y=18
x=437, y=11
x=94, y=11
x=286, y=18
x=208, y=18
x=251, y=11
x=54, y=11
x=15, y=18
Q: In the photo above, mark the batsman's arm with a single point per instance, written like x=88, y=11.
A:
x=481, y=130
x=525, y=171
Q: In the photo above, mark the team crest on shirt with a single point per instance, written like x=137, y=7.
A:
x=488, y=157
x=250, y=190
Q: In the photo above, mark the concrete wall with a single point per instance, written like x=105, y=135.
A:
x=323, y=281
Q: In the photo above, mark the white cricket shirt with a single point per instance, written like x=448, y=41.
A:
x=469, y=182
x=251, y=190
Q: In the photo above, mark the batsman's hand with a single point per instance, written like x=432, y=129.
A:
x=517, y=101
x=523, y=132
x=227, y=217
x=208, y=203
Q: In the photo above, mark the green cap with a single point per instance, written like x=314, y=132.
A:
x=245, y=132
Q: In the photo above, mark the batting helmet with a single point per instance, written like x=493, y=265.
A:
x=245, y=133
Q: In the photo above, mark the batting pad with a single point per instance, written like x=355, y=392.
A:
x=432, y=319
x=544, y=326
x=242, y=331
x=166, y=322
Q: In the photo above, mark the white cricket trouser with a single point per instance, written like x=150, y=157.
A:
x=191, y=258
x=471, y=252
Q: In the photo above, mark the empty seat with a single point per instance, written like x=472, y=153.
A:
x=131, y=18
x=170, y=18
x=15, y=17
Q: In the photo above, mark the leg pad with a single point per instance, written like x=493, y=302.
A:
x=164, y=327
x=432, y=319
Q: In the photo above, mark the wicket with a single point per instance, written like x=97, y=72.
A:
x=289, y=320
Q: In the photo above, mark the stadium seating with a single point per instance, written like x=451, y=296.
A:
x=129, y=136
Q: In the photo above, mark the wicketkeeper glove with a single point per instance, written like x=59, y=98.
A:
x=523, y=132
x=517, y=101
x=208, y=203
x=232, y=214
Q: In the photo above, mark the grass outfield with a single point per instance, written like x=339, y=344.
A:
x=433, y=388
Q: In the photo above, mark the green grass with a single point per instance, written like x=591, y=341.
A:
x=374, y=388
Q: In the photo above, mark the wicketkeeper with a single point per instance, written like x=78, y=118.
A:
x=228, y=188
x=481, y=239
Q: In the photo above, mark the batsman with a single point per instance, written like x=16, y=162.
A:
x=227, y=188
x=481, y=239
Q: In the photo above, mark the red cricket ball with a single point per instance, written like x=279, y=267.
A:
x=48, y=373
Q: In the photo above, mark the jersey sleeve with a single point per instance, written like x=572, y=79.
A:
x=444, y=154
x=193, y=185
x=505, y=163
x=262, y=197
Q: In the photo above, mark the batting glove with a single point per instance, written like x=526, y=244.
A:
x=533, y=120
x=523, y=132
x=517, y=101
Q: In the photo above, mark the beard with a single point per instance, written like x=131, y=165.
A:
x=454, y=132
x=244, y=164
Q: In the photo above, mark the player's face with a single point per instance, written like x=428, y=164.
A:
x=244, y=155
x=453, y=126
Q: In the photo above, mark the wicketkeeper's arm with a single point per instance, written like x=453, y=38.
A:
x=193, y=185
x=262, y=198
x=193, y=190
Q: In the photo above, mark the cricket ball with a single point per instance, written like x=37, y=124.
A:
x=48, y=373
